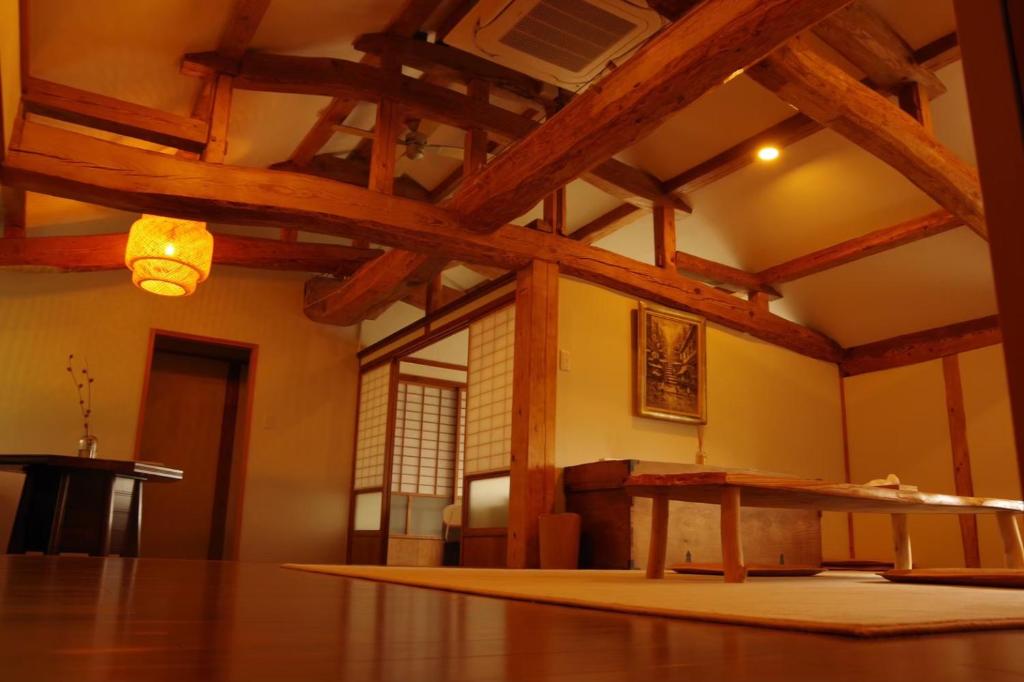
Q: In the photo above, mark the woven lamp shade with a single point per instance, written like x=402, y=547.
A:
x=168, y=256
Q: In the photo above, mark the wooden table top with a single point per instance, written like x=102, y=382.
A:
x=147, y=471
x=798, y=493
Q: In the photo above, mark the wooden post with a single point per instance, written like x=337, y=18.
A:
x=435, y=293
x=659, y=538
x=554, y=210
x=532, y=488
x=474, y=155
x=732, y=539
x=914, y=100
x=991, y=35
x=665, y=237
x=1010, y=531
x=962, y=480
x=901, y=542
x=385, y=144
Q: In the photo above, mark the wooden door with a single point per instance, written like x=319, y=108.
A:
x=183, y=427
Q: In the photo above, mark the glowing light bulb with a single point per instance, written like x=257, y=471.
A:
x=169, y=250
x=768, y=153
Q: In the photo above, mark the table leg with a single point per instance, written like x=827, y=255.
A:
x=659, y=538
x=901, y=542
x=732, y=541
x=105, y=520
x=59, y=505
x=133, y=530
x=1010, y=531
x=19, y=531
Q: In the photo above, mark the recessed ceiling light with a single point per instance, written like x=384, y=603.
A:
x=768, y=153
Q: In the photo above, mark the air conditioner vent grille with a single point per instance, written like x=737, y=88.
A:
x=569, y=34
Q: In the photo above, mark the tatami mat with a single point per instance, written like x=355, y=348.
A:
x=845, y=603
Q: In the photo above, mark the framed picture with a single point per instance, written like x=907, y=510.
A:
x=670, y=365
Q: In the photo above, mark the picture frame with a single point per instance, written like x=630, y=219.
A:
x=671, y=365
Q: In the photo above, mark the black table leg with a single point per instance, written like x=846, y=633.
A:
x=105, y=520
x=19, y=531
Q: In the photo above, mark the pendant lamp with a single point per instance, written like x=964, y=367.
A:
x=168, y=256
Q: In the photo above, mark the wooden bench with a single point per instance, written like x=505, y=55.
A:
x=731, y=490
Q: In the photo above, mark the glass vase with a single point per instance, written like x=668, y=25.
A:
x=87, y=446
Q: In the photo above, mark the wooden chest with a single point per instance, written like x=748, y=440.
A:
x=615, y=529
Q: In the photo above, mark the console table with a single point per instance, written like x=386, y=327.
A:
x=731, y=490
x=76, y=504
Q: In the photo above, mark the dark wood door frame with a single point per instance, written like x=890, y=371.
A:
x=241, y=445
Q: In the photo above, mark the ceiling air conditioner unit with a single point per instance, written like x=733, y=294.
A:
x=563, y=42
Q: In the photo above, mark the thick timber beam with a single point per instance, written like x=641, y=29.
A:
x=68, y=164
x=832, y=97
x=106, y=252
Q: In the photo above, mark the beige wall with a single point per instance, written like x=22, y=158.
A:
x=898, y=424
x=299, y=464
x=768, y=408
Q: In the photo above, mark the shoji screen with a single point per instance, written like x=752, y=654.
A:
x=489, y=392
x=425, y=432
x=371, y=448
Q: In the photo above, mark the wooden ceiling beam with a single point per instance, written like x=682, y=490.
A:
x=354, y=172
x=106, y=252
x=930, y=344
x=665, y=75
x=449, y=63
x=241, y=29
x=939, y=53
x=861, y=247
x=829, y=95
x=860, y=35
x=406, y=22
x=607, y=223
x=66, y=163
x=65, y=103
x=420, y=99
x=787, y=132
x=721, y=275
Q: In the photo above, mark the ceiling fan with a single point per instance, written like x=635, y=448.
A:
x=416, y=144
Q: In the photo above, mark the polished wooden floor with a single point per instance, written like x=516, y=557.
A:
x=82, y=619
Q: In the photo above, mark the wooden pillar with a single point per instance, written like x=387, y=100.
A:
x=554, y=210
x=914, y=100
x=963, y=483
x=385, y=144
x=665, y=237
x=435, y=291
x=851, y=546
x=533, y=410
x=760, y=299
x=991, y=37
x=474, y=155
x=220, y=120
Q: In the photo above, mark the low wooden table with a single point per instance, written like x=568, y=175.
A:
x=76, y=504
x=731, y=490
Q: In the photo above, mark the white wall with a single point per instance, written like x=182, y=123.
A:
x=299, y=463
x=768, y=408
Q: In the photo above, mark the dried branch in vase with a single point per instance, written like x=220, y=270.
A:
x=83, y=386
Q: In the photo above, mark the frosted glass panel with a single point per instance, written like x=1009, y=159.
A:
x=426, y=516
x=367, y=516
x=489, y=392
x=488, y=502
x=399, y=512
x=371, y=434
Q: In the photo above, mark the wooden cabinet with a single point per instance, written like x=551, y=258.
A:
x=615, y=530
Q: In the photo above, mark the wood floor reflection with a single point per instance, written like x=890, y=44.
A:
x=72, y=618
